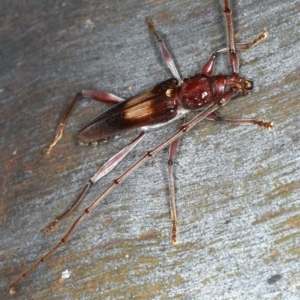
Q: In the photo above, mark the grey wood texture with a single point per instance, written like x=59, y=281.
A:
x=237, y=187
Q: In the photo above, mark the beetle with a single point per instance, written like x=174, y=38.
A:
x=168, y=101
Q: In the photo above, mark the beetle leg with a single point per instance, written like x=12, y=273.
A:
x=105, y=169
x=208, y=68
x=265, y=124
x=247, y=46
x=173, y=148
x=101, y=96
x=172, y=152
x=168, y=59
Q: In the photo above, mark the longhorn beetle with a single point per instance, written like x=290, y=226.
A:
x=170, y=100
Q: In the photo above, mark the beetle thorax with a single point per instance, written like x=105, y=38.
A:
x=195, y=92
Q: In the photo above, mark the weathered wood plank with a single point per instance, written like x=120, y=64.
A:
x=238, y=192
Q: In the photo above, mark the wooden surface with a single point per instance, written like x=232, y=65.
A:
x=237, y=187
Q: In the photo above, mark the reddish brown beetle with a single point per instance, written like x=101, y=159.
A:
x=170, y=100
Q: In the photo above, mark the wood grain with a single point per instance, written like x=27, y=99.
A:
x=237, y=187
